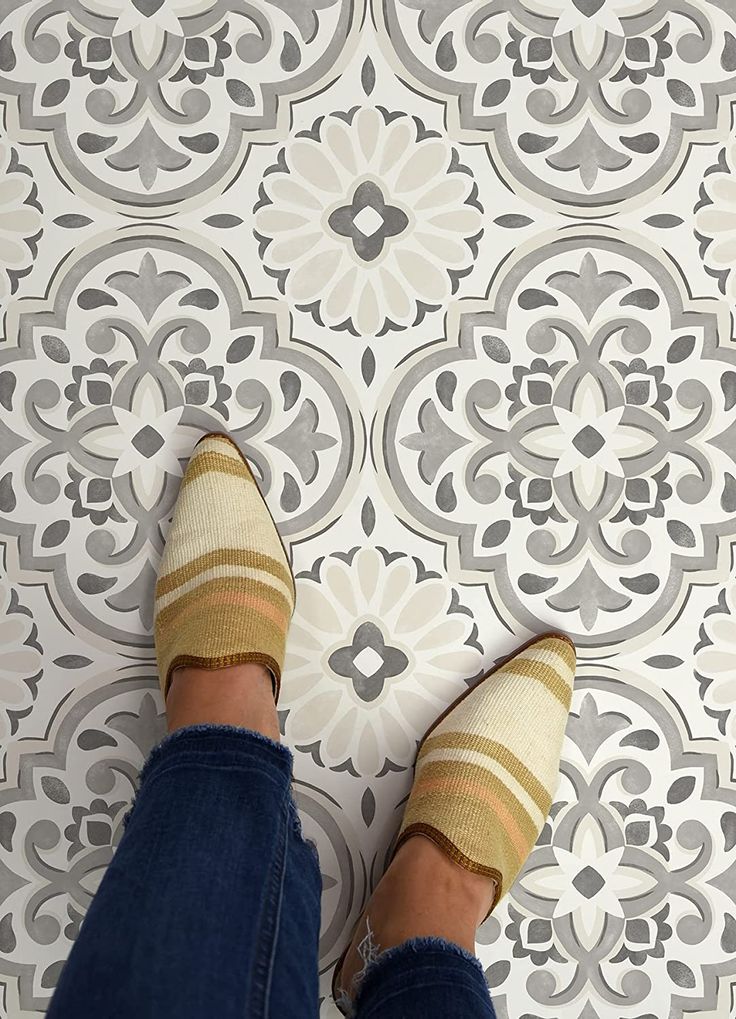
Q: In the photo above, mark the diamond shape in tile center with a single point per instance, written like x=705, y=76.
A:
x=147, y=441
x=368, y=221
x=588, y=441
x=588, y=882
x=368, y=661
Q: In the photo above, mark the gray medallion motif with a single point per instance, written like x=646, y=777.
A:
x=108, y=390
x=586, y=103
x=596, y=441
x=128, y=89
x=617, y=908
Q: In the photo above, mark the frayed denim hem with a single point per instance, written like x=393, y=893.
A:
x=233, y=737
x=375, y=961
x=415, y=945
x=209, y=736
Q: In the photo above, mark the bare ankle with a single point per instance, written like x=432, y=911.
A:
x=422, y=894
x=240, y=695
x=420, y=864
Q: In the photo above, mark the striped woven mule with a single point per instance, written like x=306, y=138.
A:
x=488, y=768
x=225, y=592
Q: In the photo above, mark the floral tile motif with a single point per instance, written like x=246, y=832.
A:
x=130, y=91
x=378, y=624
x=585, y=103
x=130, y=381
x=368, y=220
x=360, y=238
x=594, y=442
x=629, y=872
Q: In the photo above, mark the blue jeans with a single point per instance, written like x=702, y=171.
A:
x=211, y=905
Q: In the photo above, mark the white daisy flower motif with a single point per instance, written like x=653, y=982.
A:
x=368, y=221
x=377, y=648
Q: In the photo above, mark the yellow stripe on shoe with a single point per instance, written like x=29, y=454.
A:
x=486, y=773
x=225, y=591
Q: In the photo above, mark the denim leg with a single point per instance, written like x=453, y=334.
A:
x=188, y=919
x=294, y=986
x=426, y=978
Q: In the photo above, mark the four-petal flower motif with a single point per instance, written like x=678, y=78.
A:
x=367, y=659
x=368, y=220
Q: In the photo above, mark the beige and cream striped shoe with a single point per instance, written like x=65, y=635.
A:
x=225, y=592
x=487, y=770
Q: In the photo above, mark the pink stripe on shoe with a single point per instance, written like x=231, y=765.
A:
x=458, y=787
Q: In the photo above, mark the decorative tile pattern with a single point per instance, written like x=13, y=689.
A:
x=587, y=103
x=458, y=277
x=594, y=440
x=130, y=91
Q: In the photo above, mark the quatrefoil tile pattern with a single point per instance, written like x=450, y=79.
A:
x=458, y=276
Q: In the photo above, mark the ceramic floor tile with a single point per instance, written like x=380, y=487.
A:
x=458, y=277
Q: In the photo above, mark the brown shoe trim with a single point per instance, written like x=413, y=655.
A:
x=224, y=662
x=432, y=833
x=450, y=850
x=456, y=855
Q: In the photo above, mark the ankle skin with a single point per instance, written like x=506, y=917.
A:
x=240, y=695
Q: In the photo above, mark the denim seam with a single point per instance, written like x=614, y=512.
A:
x=269, y=922
x=296, y=824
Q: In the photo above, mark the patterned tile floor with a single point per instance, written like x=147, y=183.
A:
x=458, y=276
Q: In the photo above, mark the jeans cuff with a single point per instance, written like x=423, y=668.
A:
x=201, y=741
x=389, y=972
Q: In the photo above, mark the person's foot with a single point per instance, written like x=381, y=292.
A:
x=422, y=894
x=483, y=785
x=240, y=695
x=225, y=592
